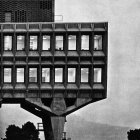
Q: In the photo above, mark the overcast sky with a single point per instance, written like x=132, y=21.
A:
x=122, y=107
x=123, y=102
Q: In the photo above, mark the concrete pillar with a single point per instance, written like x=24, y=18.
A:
x=53, y=127
x=0, y=102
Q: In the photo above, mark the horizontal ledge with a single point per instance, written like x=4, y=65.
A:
x=98, y=86
x=52, y=26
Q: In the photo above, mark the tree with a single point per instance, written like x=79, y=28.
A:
x=30, y=132
x=13, y=133
x=134, y=134
x=27, y=132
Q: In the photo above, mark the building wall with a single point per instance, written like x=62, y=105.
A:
x=27, y=10
x=57, y=45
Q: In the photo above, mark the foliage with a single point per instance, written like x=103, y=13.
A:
x=134, y=134
x=13, y=132
x=27, y=132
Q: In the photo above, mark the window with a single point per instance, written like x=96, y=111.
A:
x=84, y=75
x=97, y=75
x=45, y=74
x=71, y=75
x=97, y=42
x=58, y=75
x=7, y=75
x=46, y=42
x=32, y=75
x=59, y=43
x=20, y=75
x=33, y=42
x=85, y=42
x=8, y=17
x=72, y=42
x=7, y=43
x=20, y=42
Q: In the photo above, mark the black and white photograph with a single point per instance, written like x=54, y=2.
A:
x=69, y=70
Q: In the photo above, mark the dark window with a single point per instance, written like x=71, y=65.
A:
x=8, y=17
x=20, y=16
x=47, y=4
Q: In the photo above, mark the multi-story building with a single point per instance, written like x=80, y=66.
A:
x=51, y=69
x=26, y=10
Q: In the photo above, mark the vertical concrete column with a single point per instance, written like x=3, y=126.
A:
x=53, y=127
x=0, y=102
x=48, y=131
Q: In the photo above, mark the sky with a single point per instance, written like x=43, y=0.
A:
x=122, y=104
x=123, y=96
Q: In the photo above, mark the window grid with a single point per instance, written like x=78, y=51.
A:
x=8, y=41
x=59, y=42
x=46, y=75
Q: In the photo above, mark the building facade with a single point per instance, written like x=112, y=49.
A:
x=50, y=69
x=47, y=60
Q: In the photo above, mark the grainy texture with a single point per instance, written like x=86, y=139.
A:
x=28, y=10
